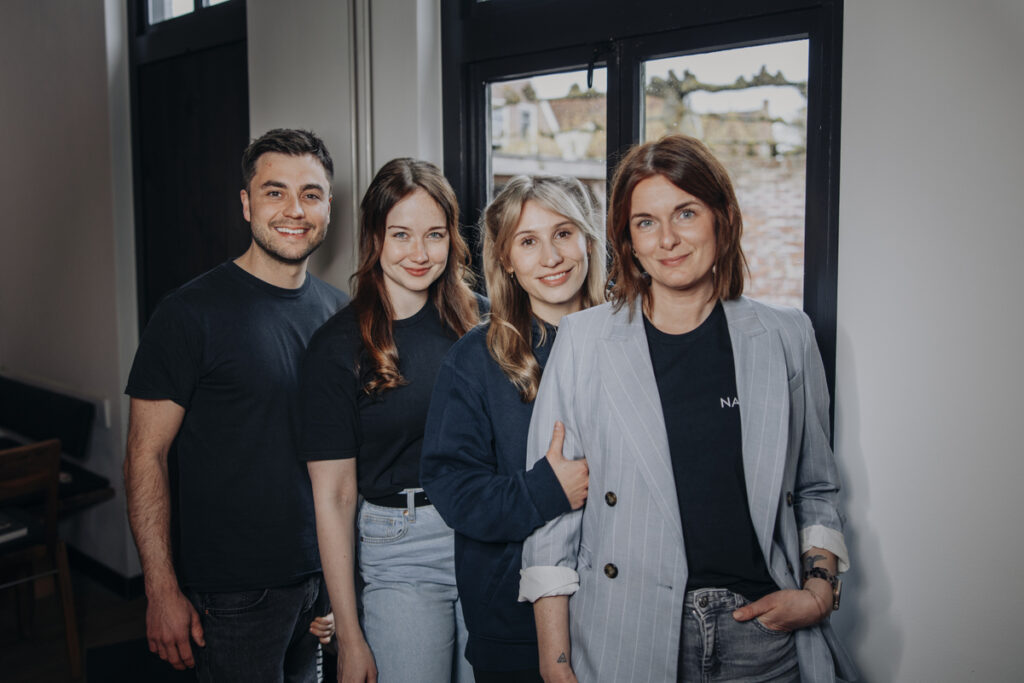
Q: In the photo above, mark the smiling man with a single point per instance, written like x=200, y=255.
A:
x=216, y=370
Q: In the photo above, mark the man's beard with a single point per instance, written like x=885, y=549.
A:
x=264, y=244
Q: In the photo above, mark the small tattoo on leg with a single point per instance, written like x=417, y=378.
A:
x=562, y=659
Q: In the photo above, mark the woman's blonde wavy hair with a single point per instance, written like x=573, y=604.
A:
x=510, y=334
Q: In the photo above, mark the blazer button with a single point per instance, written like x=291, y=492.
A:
x=611, y=571
x=611, y=499
x=789, y=498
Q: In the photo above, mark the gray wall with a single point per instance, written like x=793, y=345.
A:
x=367, y=79
x=301, y=76
x=67, y=298
x=929, y=372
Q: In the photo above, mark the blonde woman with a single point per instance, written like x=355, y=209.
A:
x=543, y=258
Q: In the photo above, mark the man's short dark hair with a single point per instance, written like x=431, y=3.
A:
x=288, y=141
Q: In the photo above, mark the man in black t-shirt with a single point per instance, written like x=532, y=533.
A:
x=216, y=370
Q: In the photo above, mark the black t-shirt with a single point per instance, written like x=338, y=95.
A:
x=226, y=347
x=383, y=431
x=696, y=379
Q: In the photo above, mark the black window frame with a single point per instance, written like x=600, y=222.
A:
x=500, y=39
x=203, y=28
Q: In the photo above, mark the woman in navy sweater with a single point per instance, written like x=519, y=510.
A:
x=543, y=258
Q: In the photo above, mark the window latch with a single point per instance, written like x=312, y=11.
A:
x=600, y=50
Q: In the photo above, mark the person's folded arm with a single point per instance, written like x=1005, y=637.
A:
x=459, y=468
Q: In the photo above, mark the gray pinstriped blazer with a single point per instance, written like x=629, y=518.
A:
x=600, y=383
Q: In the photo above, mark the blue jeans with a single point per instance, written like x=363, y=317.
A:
x=412, y=617
x=716, y=647
x=261, y=635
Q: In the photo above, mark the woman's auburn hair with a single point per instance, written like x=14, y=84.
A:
x=510, y=335
x=689, y=165
x=451, y=293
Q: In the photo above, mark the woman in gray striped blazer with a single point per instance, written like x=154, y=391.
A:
x=711, y=543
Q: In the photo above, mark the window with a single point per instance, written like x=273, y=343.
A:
x=162, y=10
x=551, y=124
x=158, y=11
x=749, y=105
x=757, y=81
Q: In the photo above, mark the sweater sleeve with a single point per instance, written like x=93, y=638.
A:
x=459, y=469
x=550, y=553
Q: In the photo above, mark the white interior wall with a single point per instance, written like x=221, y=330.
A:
x=367, y=80
x=406, y=68
x=67, y=305
x=928, y=430
x=301, y=76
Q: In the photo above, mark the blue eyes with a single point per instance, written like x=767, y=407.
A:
x=560, y=235
x=683, y=215
x=403, y=235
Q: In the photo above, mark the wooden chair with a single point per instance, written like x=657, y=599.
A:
x=25, y=473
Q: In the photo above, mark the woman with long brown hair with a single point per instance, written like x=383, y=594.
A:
x=712, y=548
x=366, y=382
x=543, y=258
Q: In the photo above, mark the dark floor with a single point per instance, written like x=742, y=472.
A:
x=104, y=618
x=112, y=632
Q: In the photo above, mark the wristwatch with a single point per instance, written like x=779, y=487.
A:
x=835, y=581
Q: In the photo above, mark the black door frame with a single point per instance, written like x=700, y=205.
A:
x=204, y=28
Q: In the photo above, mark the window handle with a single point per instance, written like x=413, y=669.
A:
x=600, y=50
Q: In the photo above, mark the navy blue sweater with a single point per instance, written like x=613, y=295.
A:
x=473, y=469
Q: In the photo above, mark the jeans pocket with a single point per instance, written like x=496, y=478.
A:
x=756, y=621
x=225, y=604
x=382, y=528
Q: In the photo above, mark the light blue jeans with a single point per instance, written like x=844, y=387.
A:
x=412, y=617
x=716, y=647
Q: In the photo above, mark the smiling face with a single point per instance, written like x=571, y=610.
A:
x=288, y=206
x=548, y=255
x=673, y=237
x=415, y=251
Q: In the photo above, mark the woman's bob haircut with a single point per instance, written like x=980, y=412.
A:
x=689, y=165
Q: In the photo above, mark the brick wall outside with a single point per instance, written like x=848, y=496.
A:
x=771, y=194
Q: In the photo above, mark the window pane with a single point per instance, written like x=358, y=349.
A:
x=749, y=106
x=162, y=10
x=211, y=3
x=549, y=124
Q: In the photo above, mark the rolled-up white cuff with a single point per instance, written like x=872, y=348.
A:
x=823, y=537
x=543, y=582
